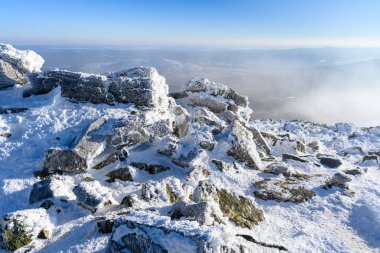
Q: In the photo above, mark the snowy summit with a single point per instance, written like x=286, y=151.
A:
x=113, y=162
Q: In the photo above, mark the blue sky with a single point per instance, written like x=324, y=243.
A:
x=192, y=22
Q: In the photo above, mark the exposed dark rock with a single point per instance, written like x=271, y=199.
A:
x=128, y=200
x=41, y=190
x=150, y=168
x=58, y=161
x=47, y=204
x=12, y=110
x=104, y=225
x=122, y=174
x=109, y=160
x=251, y=239
x=222, y=166
x=286, y=157
x=135, y=240
x=6, y=134
x=43, y=234
x=371, y=158
x=330, y=162
x=353, y=172
x=207, y=145
x=178, y=95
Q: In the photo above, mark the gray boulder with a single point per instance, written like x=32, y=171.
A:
x=330, y=162
x=141, y=86
x=197, y=212
x=10, y=75
x=277, y=169
x=58, y=161
x=130, y=236
x=41, y=190
x=339, y=180
x=122, y=174
x=92, y=195
x=243, y=147
x=150, y=168
x=213, y=104
x=91, y=142
x=15, y=65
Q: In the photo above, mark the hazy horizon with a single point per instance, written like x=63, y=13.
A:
x=324, y=85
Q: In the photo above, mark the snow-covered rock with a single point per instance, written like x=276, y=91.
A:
x=190, y=172
x=15, y=65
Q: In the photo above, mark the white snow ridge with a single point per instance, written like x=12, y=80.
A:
x=114, y=163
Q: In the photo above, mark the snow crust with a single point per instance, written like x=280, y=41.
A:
x=329, y=222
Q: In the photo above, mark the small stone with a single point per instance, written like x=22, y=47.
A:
x=150, y=168
x=6, y=134
x=339, y=180
x=47, y=204
x=64, y=161
x=276, y=169
x=197, y=212
x=122, y=174
x=104, y=225
x=129, y=200
x=353, y=172
x=371, y=158
x=207, y=145
x=43, y=234
x=286, y=157
x=330, y=162
x=41, y=190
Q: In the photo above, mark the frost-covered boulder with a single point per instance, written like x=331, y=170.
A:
x=243, y=147
x=15, y=65
x=141, y=86
x=200, y=212
x=20, y=228
x=130, y=236
x=218, y=98
x=93, y=141
x=339, y=180
x=9, y=75
x=92, y=195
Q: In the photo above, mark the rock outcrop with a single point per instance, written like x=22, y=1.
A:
x=189, y=172
x=16, y=65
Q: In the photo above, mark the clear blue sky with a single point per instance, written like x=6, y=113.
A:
x=191, y=22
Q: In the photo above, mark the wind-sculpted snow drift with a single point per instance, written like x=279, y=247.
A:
x=114, y=163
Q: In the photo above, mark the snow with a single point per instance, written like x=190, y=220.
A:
x=27, y=60
x=329, y=222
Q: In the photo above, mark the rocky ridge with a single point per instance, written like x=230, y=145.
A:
x=182, y=172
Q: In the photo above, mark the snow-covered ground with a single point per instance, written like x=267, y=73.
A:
x=334, y=219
